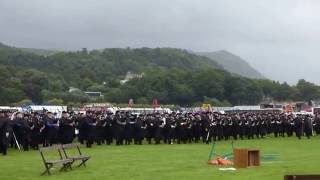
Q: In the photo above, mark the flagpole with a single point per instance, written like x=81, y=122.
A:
x=14, y=135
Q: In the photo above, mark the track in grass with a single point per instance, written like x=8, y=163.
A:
x=184, y=161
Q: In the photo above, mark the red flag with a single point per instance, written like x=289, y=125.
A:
x=155, y=103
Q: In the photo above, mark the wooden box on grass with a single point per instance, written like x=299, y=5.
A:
x=244, y=158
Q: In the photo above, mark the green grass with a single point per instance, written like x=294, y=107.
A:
x=152, y=162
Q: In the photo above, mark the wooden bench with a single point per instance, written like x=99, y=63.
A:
x=65, y=163
x=74, y=158
x=302, y=177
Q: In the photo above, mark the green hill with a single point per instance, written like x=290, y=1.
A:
x=173, y=76
x=27, y=75
x=99, y=65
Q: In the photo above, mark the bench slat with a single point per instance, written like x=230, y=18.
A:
x=59, y=161
x=79, y=157
x=52, y=148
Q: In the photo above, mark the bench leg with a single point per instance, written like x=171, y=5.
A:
x=70, y=165
x=65, y=167
x=47, y=169
x=83, y=163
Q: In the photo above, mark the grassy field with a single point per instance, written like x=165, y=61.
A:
x=172, y=162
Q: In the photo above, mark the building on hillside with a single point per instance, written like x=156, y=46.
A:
x=130, y=76
x=93, y=94
x=73, y=89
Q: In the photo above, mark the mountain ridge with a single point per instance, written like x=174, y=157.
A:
x=233, y=63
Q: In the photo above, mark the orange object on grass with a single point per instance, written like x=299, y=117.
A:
x=213, y=162
x=220, y=161
x=224, y=162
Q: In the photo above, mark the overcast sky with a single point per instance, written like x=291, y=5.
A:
x=280, y=38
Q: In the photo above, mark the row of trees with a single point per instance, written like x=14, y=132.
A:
x=211, y=86
x=172, y=76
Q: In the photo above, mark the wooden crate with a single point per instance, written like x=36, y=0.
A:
x=244, y=158
x=302, y=177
